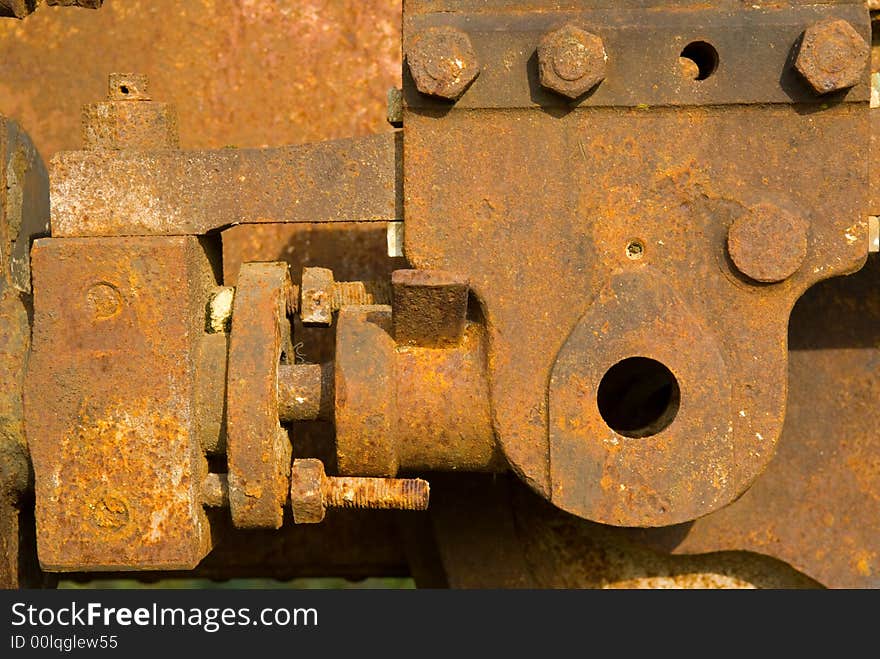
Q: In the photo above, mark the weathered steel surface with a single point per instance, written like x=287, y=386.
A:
x=257, y=448
x=652, y=478
x=240, y=73
x=118, y=468
x=816, y=506
x=410, y=408
x=673, y=179
x=17, y=550
x=316, y=295
x=97, y=193
x=210, y=386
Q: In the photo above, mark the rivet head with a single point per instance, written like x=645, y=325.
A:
x=571, y=61
x=768, y=244
x=832, y=56
x=104, y=300
x=442, y=62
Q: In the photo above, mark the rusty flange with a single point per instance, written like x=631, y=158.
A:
x=675, y=463
x=258, y=449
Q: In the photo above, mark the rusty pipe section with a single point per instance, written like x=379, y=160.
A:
x=305, y=392
x=405, y=406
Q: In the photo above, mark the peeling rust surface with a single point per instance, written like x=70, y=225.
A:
x=118, y=468
x=105, y=192
x=258, y=449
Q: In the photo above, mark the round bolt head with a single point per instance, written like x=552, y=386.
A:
x=571, y=61
x=768, y=244
x=442, y=62
x=832, y=56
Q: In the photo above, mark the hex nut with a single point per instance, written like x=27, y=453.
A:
x=832, y=56
x=571, y=61
x=442, y=62
x=307, y=491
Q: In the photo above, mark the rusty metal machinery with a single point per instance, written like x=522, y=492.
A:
x=603, y=315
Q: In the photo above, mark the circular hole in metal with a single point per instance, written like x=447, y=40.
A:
x=638, y=397
x=123, y=89
x=635, y=250
x=698, y=60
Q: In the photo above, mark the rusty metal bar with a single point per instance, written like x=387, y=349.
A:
x=105, y=193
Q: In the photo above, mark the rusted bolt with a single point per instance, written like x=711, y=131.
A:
x=442, y=62
x=571, y=61
x=321, y=295
x=767, y=243
x=312, y=492
x=832, y=56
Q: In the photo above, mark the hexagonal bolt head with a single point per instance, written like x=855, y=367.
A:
x=571, y=61
x=442, y=62
x=768, y=244
x=832, y=56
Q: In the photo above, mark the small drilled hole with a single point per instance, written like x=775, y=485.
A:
x=638, y=397
x=698, y=60
x=123, y=89
x=635, y=250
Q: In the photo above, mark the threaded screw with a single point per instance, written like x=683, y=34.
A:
x=312, y=492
